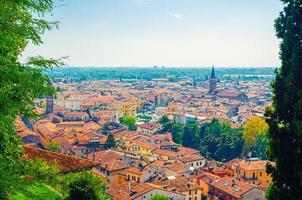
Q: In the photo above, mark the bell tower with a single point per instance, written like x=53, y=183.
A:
x=212, y=82
x=49, y=102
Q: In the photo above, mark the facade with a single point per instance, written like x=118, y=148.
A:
x=252, y=171
x=76, y=116
x=149, y=128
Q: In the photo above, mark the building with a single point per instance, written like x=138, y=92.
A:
x=228, y=188
x=136, y=191
x=233, y=95
x=75, y=116
x=49, y=102
x=252, y=171
x=149, y=128
x=212, y=82
x=181, y=185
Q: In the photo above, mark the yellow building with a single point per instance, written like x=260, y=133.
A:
x=133, y=175
x=252, y=171
x=132, y=148
x=140, y=148
x=130, y=106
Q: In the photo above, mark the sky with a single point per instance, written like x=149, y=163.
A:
x=193, y=33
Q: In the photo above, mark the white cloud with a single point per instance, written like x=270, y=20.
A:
x=177, y=16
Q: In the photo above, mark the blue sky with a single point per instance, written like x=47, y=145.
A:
x=163, y=32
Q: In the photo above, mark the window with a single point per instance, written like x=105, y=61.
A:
x=190, y=192
x=260, y=174
x=195, y=191
x=254, y=175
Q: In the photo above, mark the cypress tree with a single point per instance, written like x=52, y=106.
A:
x=285, y=115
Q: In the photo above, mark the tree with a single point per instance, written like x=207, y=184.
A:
x=129, y=120
x=177, y=133
x=190, y=136
x=255, y=127
x=21, y=83
x=220, y=142
x=21, y=22
x=159, y=197
x=53, y=146
x=164, y=119
x=84, y=185
x=261, y=146
x=110, y=143
x=285, y=115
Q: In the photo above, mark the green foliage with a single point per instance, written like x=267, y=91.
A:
x=220, y=142
x=21, y=22
x=129, y=120
x=164, y=119
x=10, y=178
x=285, y=115
x=21, y=83
x=17, y=178
x=41, y=172
x=37, y=191
x=53, y=146
x=83, y=185
x=261, y=146
x=177, y=133
x=159, y=197
x=214, y=140
x=110, y=143
x=190, y=137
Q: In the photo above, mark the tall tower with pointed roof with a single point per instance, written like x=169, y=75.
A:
x=212, y=81
x=49, y=102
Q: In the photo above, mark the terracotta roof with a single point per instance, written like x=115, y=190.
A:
x=65, y=162
x=179, y=184
x=232, y=162
x=128, y=191
x=150, y=125
x=133, y=170
x=75, y=114
x=231, y=186
x=187, y=151
x=191, y=158
x=178, y=167
x=162, y=137
x=228, y=93
x=104, y=155
x=252, y=165
x=165, y=152
x=145, y=145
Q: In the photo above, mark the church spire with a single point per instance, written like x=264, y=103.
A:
x=212, y=81
x=213, y=73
